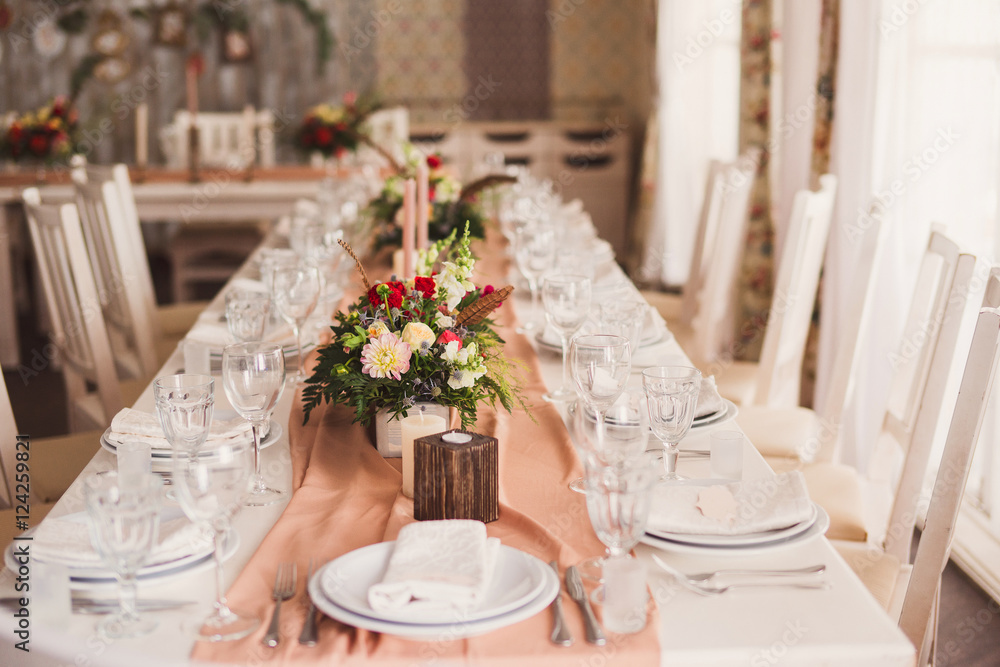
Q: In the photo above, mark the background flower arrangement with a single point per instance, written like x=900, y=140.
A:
x=45, y=134
x=335, y=130
x=427, y=339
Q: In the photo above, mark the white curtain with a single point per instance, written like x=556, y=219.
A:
x=698, y=71
x=921, y=133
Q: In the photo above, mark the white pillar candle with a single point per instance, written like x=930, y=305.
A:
x=413, y=427
x=142, y=134
x=248, y=140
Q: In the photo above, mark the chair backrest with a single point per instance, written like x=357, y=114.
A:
x=780, y=369
x=715, y=298
x=390, y=129
x=917, y=443
x=229, y=140
x=74, y=308
x=8, y=447
x=118, y=270
x=847, y=357
x=942, y=512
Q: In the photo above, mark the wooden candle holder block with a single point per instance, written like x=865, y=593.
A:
x=456, y=480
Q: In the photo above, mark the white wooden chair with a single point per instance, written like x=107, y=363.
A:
x=910, y=592
x=74, y=308
x=54, y=463
x=859, y=506
x=389, y=129
x=775, y=379
x=799, y=432
x=111, y=226
x=225, y=140
x=733, y=179
x=709, y=333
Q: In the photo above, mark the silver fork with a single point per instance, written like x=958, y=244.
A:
x=308, y=635
x=284, y=588
x=703, y=577
x=711, y=591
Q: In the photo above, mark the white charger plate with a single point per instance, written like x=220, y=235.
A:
x=92, y=578
x=273, y=434
x=651, y=335
x=817, y=529
x=517, y=579
x=728, y=413
x=442, y=631
x=747, y=539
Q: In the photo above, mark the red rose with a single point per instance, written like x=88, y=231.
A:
x=323, y=137
x=425, y=286
x=39, y=145
x=434, y=161
x=350, y=97
x=394, y=294
x=448, y=336
x=489, y=289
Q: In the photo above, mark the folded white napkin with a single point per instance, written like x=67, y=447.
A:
x=437, y=566
x=709, y=401
x=141, y=426
x=214, y=332
x=67, y=540
x=760, y=504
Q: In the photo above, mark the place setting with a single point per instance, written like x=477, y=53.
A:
x=441, y=579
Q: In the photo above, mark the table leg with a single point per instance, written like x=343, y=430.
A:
x=9, y=345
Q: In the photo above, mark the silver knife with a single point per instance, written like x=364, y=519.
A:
x=574, y=585
x=560, y=633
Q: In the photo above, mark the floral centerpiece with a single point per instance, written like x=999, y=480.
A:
x=428, y=339
x=335, y=130
x=45, y=134
x=452, y=205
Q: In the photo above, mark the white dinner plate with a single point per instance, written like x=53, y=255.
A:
x=817, y=529
x=273, y=434
x=439, y=632
x=651, y=335
x=90, y=577
x=747, y=539
x=728, y=413
x=517, y=579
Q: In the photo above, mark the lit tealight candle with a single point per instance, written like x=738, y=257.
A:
x=413, y=427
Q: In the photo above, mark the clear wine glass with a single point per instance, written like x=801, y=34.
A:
x=211, y=488
x=600, y=364
x=534, y=252
x=124, y=524
x=247, y=313
x=296, y=291
x=624, y=317
x=253, y=375
x=672, y=397
x=618, y=499
x=567, y=302
x=185, y=404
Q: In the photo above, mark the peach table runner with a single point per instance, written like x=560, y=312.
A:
x=346, y=496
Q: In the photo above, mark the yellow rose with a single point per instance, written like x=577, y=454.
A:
x=416, y=333
x=377, y=328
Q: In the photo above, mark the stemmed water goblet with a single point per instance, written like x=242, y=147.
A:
x=253, y=375
x=672, y=397
x=247, y=312
x=185, y=404
x=534, y=252
x=618, y=500
x=567, y=301
x=211, y=487
x=600, y=364
x=124, y=524
x=296, y=291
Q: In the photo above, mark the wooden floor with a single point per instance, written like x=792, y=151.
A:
x=968, y=632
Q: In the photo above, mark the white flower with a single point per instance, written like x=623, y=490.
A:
x=442, y=321
x=451, y=352
x=416, y=333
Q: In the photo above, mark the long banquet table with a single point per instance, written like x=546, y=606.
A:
x=346, y=497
